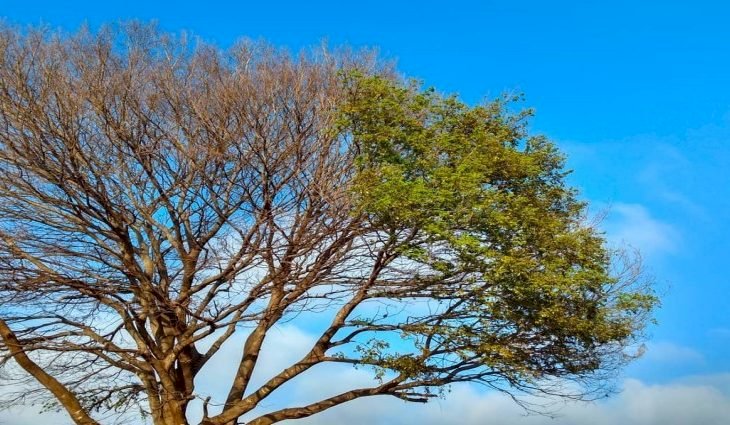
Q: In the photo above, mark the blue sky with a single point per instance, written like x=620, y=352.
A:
x=637, y=93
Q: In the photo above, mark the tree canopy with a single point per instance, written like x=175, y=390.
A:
x=159, y=196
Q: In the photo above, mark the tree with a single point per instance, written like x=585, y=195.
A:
x=159, y=197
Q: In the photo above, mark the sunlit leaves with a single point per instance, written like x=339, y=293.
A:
x=502, y=235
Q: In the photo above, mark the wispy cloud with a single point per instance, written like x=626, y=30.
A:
x=634, y=225
x=670, y=353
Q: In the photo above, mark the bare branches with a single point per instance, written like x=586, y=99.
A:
x=150, y=181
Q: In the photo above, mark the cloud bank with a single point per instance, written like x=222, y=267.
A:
x=701, y=400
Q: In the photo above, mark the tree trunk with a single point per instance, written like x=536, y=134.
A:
x=173, y=413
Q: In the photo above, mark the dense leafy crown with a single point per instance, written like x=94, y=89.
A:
x=494, y=235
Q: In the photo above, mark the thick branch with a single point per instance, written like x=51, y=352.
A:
x=67, y=399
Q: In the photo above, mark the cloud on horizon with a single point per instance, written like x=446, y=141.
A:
x=702, y=400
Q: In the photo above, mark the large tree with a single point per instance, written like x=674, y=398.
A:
x=159, y=197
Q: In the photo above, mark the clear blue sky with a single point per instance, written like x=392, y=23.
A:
x=636, y=92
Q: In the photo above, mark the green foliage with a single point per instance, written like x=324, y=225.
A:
x=525, y=283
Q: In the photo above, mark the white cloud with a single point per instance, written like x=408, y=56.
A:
x=634, y=225
x=670, y=353
x=30, y=415
x=686, y=401
x=678, y=403
x=701, y=400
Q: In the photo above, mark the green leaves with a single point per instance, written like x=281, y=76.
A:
x=501, y=234
x=455, y=172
